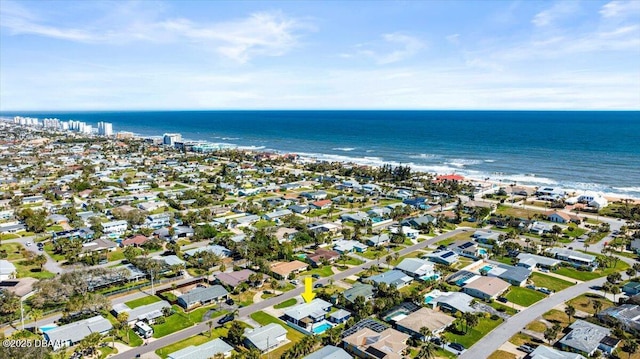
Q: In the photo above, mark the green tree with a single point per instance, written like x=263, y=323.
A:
x=40, y=260
x=597, y=305
x=570, y=310
x=90, y=342
x=427, y=351
x=630, y=346
x=35, y=315
x=236, y=333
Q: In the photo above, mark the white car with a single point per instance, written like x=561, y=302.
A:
x=28, y=244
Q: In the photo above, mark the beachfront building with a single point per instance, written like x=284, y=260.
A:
x=170, y=139
x=433, y=320
x=210, y=349
x=266, y=338
x=72, y=333
x=309, y=317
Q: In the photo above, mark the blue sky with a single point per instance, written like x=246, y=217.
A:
x=114, y=55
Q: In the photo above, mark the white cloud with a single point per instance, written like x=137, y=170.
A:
x=620, y=9
x=259, y=34
x=395, y=47
x=557, y=12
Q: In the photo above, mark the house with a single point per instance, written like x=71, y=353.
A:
x=234, y=278
x=329, y=352
x=282, y=270
x=358, y=290
x=416, y=202
x=12, y=228
x=147, y=313
x=540, y=228
x=407, y=231
x=435, y=321
x=486, y=287
x=317, y=195
x=585, y=338
x=296, y=208
x=170, y=260
x=379, y=212
x=32, y=199
x=369, y=344
x=561, y=217
x=392, y=278
x=323, y=204
x=634, y=246
x=471, y=206
x=266, y=338
x=418, y=269
x=631, y=288
x=420, y=222
x=309, y=317
x=276, y=214
x=216, y=249
x=468, y=249
x=136, y=241
x=531, y=261
x=573, y=257
x=545, y=352
x=486, y=237
x=202, y=296
x=116, y=227
x=339, y=316
x=626, y=314
x=445, y=257
x=451, y=302
x=284, y=234
x=205, y=350
x=343, y=246
x=72, y=333
x=322, y=254
x=513, y=275
x=379, y=240
x=359, y=217
x=157, y=221
x=98, y=245
x=7, y=270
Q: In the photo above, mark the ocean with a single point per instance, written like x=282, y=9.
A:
x=582, y=150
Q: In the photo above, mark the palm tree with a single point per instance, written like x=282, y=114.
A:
x=630, y=346
x=471, y=320
x=597, y=305
x=426, y=333
x=123, y=323
x=615, y=290
x=427, y=351
x=570, y=310
x=35, y=315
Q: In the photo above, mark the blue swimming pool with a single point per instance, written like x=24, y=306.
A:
x=428, y=299
x=46, y=328
x=322, y=328
x=486, y=268
x=482, y=251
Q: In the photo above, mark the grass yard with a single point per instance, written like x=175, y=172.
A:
x=351, y=261
x=584, y=302
x=501, y=354
x=287, y=303
x=14, y=251
x=414, y=254
x=503, y=308
x=324, y=271
x=116, y=255
x=293, y=335
x=142, y=301
x=194, y=340
x=485, y=325
x=557, y=316
x=524, y=296
x=520, y=339
x=549, y=282
x=173, y=323
x=30, y=270
x=244, y=298
x=536, y=326
x=516, y=212
x=587, y=276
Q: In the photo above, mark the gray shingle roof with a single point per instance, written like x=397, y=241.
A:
x=75, y=332
x=202, y=351
x=203, y=294
x=265, y=337
x=584, y=336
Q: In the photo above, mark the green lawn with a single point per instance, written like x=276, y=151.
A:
x=584, y=302
x=287, y=303
x=501, y=354
x=549, y=282
x=324, y=271
x=194, y=340
x=33, y=271
x=485, y=325
x=524, y=296
x=587, y=276
x=503, y=308
x=180, y=320
x=14, y=251
x=116, y=255
x=373, y=252
x=142, y=301
x=48, y=247
x=293, y=335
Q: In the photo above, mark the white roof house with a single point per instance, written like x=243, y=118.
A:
x=418, y=268
x=203, y=351
x=72, y=333
x=267, y=337
x=7, y=270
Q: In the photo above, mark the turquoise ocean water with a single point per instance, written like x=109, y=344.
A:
x=585, y=150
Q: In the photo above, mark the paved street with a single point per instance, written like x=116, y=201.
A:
x=246, y=311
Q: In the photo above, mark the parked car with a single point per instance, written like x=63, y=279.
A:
x=318, y=285
x=316, y=276
x=226, y=319
x=544, y=290
x=230, y=301
x=531, y=286
x=525, y=348
x=28, y=244
x=436, y=340
x=295, y=282
x=502, y=299
x=40, y=244
x=40, y=249
x=457, y=346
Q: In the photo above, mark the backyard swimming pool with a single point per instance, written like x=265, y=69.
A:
x=321, y=328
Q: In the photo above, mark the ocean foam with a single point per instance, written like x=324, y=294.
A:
x=461, y=162
x=251, y=148
x=424, y=156
x=345, y=149
x=489, y=161
x=230, y=138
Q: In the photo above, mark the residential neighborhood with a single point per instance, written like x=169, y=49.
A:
x=120, y=246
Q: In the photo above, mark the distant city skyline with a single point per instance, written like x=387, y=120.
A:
x=148, y=55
